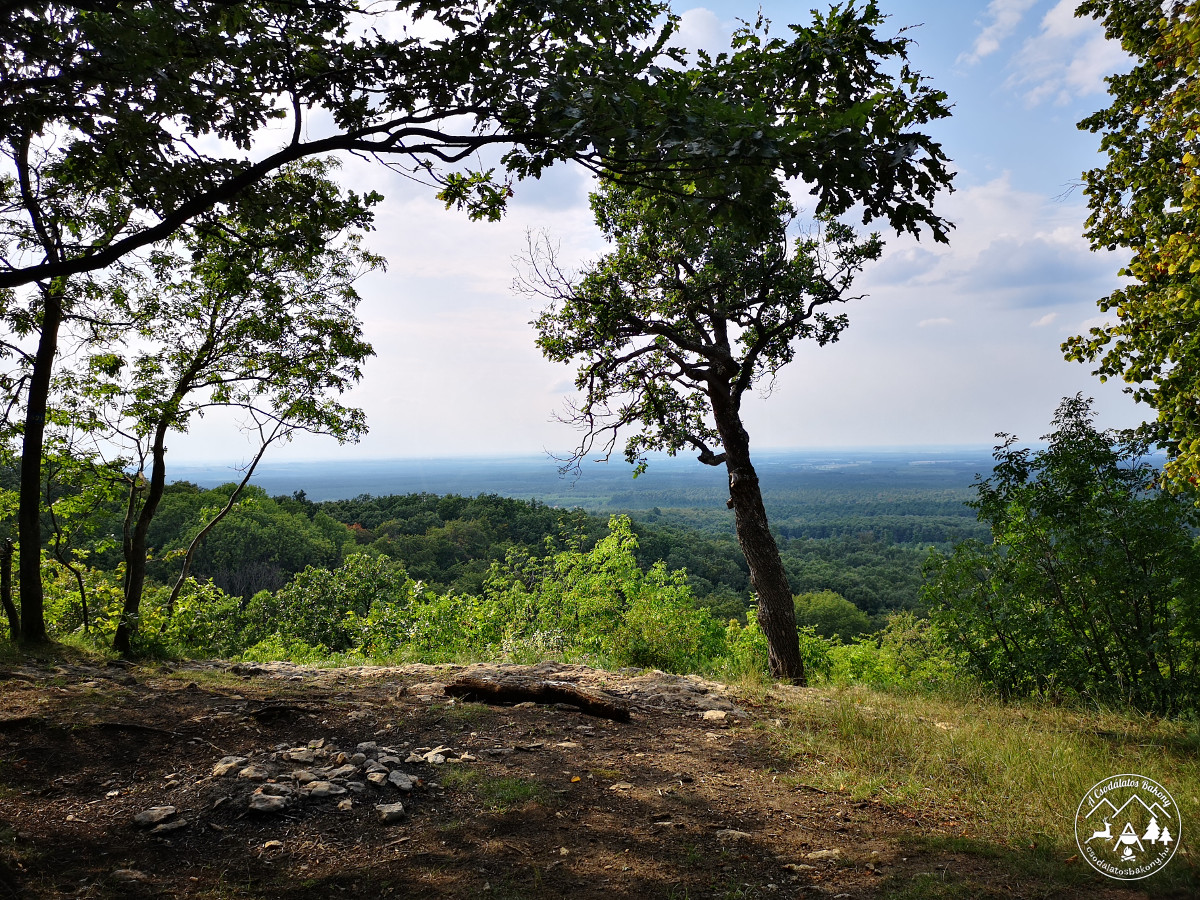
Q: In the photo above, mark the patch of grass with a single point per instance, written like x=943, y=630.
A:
x=465, y=713
x=1010, y=775
x=606, y=774
x=496, y=793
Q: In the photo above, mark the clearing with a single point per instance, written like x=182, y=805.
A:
x=708, y=791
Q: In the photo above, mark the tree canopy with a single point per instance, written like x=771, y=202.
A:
x=1146, y=199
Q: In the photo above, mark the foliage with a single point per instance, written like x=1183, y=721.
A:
x=1092, y=584
x=832, y=615
x=907, y=652
x=1147, y=199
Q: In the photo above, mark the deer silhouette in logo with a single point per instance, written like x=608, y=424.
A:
x=1106, y=833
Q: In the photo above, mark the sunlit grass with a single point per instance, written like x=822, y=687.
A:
x=1005, y=774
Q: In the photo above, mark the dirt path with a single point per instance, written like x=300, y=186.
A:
x=688, y=799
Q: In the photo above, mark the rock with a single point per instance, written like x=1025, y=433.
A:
x=273, y=845
x=730, y=834
x=714, y=715
x=358, y=758
x=228, y=764
x=304, y=776
x=620, y=786
x=343, y=772
x=367, y=747
x=321, y=789
x=300, y=755
x=276, y=790
x=402, y=781
x=155, y=815
x=390, y=812
x=129, y=876
x=378, y=778
x=254, y=773
x=824, y=854
x=389, y=760
x=799, y=867
x=373, y=766
x=168, y=827
x=357, y=786
x=266, y=803
x=345, y=805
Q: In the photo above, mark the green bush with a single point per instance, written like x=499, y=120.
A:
x=832, y=615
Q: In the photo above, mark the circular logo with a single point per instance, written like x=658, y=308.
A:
x=1127, y=827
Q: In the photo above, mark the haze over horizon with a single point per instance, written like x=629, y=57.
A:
x=952, y=344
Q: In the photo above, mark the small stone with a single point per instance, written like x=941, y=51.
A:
x=620, y=786
x=390, y=812
x=300, y=755
x=389, y=760
x=373, y=766
x=322, y=789
x=799, y=867
x=402, y=781
x=367, y=747
x=714, y=715
x=378, y=778
x=824, y=854
x=228, y=764
x=731, y=834
x=343, y=772
x=563, y=851
x=254, y=773
x=317, y=744
x=168, y=827
x=155, y=815
x=265, y=803
x=129, y=875
x=276, y=790
x=345, y=805
x=358, y=758
x=304, y=776
x=273, y=845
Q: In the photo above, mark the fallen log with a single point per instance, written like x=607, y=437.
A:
x=505, y=688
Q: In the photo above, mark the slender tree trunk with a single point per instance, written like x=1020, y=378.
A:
x=29, y=511
x=776, y=608
x=14, y=619
x=135, y=544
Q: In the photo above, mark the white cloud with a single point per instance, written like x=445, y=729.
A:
x=942, y=320
x=1067, y=59
x=1044, y=320
x=702, y=29
x=1005, y=16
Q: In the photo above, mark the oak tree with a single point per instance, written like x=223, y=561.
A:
x=694, y=306
x=1146, y=199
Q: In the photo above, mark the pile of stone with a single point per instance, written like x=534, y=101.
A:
x=322, y=771
x=289, y=775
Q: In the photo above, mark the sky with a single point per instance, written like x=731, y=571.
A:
x=953, y=343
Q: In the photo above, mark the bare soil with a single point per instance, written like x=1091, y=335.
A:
x=545, y=802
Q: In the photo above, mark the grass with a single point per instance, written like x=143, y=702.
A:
x=1010, y=776
x=500, y=794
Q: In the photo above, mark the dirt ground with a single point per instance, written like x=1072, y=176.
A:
x=690, y=798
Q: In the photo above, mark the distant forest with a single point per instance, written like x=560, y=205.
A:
x=867, y=545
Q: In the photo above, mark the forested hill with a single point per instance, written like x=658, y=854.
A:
x=859, y=531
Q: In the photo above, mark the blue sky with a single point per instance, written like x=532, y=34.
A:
x=953, y=344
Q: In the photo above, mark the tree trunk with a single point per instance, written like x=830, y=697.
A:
x=776, y=608
x=14, y=619
x=135, y=544
x=29, y=511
